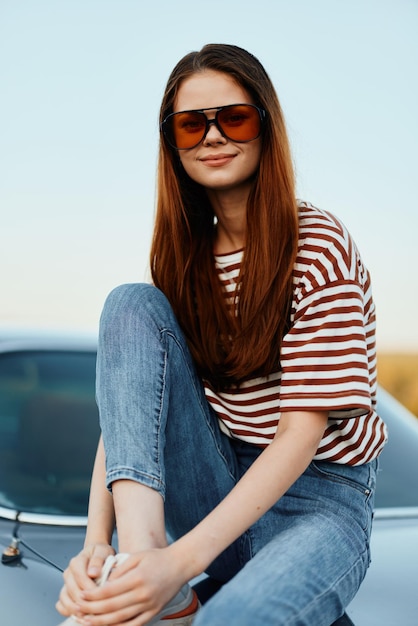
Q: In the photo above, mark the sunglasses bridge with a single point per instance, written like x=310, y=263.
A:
x=213, y=120
x=216, y=122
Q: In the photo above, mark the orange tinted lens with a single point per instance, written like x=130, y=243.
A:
x=188, y=128
x=240, y=123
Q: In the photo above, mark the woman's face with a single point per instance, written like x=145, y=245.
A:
x=217, y=163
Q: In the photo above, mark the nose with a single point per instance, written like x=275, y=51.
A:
x=213, y=132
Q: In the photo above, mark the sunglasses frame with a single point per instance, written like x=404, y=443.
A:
x=166, y=132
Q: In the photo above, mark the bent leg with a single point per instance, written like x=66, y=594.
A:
x=277, y=588
x=158, y=429
x=311, y=553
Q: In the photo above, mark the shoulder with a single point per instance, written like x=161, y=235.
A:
x=326, y=252
x=320, y=225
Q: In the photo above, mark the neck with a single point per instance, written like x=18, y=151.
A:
x=231, y=213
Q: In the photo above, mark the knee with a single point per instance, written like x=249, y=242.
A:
x=127, y=296
x=129, y=303
x=119, y=306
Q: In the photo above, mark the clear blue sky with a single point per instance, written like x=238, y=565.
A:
x=81, y=83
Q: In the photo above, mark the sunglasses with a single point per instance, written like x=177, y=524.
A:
x=238, y=122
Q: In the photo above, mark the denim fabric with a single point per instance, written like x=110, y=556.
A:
x=304, y=560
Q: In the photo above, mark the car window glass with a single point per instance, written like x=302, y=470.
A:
x=49, y=430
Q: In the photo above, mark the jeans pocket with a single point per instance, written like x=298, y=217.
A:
x=353, y=487
x=360, y=477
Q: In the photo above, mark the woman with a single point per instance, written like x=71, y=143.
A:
x=236, y=393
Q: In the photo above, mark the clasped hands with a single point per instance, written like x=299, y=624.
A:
x=135, y=592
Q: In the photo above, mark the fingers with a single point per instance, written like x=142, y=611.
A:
x=98, y=556
x=128, y=609
x=125, y=600
x=79, y=576
x=75, y=580
x=137, y=589
x=65, y=604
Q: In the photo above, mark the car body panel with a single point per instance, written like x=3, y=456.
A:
x=29, y=586
x=389, y=594
x=397, y=484
x=29, y=593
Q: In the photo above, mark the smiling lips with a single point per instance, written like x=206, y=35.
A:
x=216, y=160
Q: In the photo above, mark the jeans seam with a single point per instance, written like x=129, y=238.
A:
x=130, y=473
x=246, y=538
x=197, y=393
x=159, y=454
x=336, y=478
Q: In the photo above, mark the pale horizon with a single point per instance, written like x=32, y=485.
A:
x=81, y=89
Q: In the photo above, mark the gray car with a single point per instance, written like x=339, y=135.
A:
x=48, y=437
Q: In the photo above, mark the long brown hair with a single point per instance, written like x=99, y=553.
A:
x=227, y=349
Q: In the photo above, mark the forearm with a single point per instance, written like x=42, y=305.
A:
x=101, y=515
x=270, y=476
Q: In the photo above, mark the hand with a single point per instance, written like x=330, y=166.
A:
x=80, y=575
x=136, y=591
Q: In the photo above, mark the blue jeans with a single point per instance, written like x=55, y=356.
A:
x=303, y=561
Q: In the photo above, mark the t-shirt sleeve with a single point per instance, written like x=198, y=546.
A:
x=329, y=351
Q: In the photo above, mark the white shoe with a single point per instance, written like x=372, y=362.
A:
x=180, y=611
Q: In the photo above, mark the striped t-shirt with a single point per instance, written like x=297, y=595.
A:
x=328, y=357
